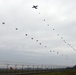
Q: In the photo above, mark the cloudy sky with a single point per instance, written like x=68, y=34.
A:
x=52, y=24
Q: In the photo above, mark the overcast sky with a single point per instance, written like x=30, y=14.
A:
x=53, y=24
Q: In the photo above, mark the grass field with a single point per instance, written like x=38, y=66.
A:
x=58, y=73
x=51, y=72
x=66, y=72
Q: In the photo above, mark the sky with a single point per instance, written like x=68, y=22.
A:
x=52, y=24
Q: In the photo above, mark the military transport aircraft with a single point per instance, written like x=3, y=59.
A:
x=35, y=6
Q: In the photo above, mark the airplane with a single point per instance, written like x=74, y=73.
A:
x=47, y=24
x=45, y=46
x=32, y=38
x=40, y=43
x=35, y=6
x=53, y=29
x=44, y=19
x=3, y=22
x=16, y=28
x=26, y=34
x=50, y=51
x=37, y=40
x=57, y=52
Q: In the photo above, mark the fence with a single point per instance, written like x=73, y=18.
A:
x=23, y=68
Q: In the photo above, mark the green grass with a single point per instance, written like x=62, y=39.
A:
x=65, y=72
x=51, y=72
